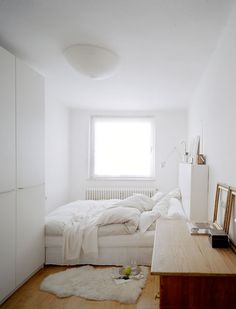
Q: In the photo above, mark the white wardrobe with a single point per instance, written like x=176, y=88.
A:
x=22, y=194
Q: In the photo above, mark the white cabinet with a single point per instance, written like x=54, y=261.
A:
x=30, y=171
x=193, y=183
x=7, y=243
x=30, y=232
x=30, y=126
x=7, y=173
x=7, y=121
x=21, y=172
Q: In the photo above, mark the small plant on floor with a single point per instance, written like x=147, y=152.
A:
x=127, y=272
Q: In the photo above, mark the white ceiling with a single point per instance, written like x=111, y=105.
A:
x=164, y=47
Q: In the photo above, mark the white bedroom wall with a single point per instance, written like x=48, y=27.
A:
x=56, y=153
x=214, y=108
x=171, y=129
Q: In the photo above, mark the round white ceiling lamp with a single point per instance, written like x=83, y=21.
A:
x=93, y=61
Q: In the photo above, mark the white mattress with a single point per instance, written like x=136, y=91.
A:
x=131, y=240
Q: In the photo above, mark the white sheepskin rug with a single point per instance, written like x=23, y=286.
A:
x=94, y=283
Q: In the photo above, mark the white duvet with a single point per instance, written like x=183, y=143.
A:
x=82, y=232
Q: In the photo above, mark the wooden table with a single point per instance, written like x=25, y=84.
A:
x=192, y=273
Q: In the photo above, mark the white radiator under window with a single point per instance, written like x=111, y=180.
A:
x=102, y=193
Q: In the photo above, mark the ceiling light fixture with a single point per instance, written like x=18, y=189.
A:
x=93, y=61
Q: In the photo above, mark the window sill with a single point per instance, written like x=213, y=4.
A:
x=121, y=179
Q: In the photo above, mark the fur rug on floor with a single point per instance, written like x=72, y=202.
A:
x=94, y=283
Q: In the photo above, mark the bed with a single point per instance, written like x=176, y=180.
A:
x=108, y=232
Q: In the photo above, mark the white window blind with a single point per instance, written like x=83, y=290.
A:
x=122, y=147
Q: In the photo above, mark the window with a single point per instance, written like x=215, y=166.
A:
x=122, y=147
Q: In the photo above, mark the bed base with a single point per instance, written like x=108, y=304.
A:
x=107, y=256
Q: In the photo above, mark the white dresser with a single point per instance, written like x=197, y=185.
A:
x=193, y=183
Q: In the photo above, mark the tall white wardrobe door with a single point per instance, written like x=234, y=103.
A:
x=7, y=121
x=30, y=232
x=7, y=243
x=30, y=126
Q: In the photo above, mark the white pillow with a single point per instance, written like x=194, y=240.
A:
x=157, y=196
x=146, y=219
x=139, y=201
x=162, y=206
x=175, y=210
x=175, y=193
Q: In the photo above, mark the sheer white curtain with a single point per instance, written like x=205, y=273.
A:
x=122, y=147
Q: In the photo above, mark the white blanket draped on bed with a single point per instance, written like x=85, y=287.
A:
x=81, y=234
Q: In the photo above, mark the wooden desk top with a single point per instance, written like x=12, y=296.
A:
x=176, y=252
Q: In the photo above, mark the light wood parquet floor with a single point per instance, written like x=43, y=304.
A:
x=29, y=296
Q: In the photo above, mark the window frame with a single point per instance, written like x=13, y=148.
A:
x=92, y=176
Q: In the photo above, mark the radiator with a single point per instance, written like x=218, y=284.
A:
x=101, y=193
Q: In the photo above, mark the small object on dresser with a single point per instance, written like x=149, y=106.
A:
x=218, y=239
x=199, y=228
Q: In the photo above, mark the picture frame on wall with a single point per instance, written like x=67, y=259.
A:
x=231, y=217
x=221, y=209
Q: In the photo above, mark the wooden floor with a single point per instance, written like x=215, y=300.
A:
x=30, y=297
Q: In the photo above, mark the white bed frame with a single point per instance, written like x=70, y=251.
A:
x=112, y=250
x=107, y=256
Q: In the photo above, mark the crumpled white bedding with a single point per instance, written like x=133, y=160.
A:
x=82, y=233
x=81, y=222
x=57, y=220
